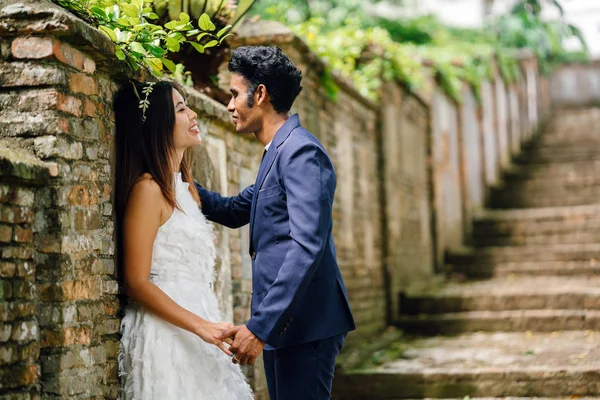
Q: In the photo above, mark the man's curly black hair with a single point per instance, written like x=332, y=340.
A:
x=271, y=67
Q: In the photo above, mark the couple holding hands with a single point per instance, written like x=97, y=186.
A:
x=173, y=345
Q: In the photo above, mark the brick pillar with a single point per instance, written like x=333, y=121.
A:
x=20, y=175
x=59, y=328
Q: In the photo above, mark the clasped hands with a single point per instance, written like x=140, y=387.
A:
x=244, y=346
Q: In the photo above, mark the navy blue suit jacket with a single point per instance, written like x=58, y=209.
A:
x=298, y=291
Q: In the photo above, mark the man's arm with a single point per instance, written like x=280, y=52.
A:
x=233, y=212
x=309, y=181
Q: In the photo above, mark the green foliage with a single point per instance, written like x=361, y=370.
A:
x=525, y=28
x=367, y=49
x=220, y=13
x=370, y=50
x=365, y=56
x=140, y=42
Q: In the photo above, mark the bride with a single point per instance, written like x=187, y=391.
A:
x=166, y=256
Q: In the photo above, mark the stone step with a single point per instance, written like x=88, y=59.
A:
x=556, y=170
x=537, y=220
x=550, y=156
x=506, y=293
x=494, y=321
x=563, y=184
x=502, y=254
x=589, y=236
x=511, y=200
x=491, y=365
x=528, y=268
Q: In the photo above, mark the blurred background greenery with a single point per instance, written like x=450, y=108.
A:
x=365, y=46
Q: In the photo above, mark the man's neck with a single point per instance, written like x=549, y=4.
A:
x=270, y=127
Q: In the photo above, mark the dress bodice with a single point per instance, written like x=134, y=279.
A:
x=184, y=249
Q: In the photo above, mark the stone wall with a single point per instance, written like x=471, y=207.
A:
x=411, y=173
x=576, y=85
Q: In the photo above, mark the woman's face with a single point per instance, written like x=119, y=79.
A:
x=186, y=132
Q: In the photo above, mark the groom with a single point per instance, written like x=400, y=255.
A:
x=300, y=309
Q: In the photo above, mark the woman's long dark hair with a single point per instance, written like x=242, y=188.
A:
x=145, y=147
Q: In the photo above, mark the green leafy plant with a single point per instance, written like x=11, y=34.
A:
x=370, y=50
x=524, y=27
x=140, y=42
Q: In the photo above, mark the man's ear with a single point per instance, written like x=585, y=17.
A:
x=260, y=94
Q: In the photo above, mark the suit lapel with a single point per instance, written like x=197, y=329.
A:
x=266, y=164
x=264, y=169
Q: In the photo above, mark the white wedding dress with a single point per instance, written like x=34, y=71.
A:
x=159, y=361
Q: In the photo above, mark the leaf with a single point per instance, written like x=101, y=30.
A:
x=155, y=63
x=205, y=23
x=225, y=37
x=198, y=47
x=156, y=51
x=99, y=12
x=130, y=10
x=222, y=31
x=172, y=44
x=138, y=48
x=183, y=17
x=124, y=21
x=151, y=16
x=169, y=64
x=119, y=53
x=109, y=32
x=200, y=36
x=212, y=43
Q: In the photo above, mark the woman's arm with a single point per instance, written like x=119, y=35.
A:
x=146, y=210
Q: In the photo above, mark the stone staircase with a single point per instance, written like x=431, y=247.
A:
x=520, y=314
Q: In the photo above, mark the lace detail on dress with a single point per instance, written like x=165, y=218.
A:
x=158, y=360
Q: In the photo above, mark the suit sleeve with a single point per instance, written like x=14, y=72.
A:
x=309, y=183
x=233, y=212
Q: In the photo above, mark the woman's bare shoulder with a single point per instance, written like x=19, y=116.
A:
x=146, y=188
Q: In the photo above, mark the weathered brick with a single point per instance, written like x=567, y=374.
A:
x=53, y=146
x=43, y=47
x=21, y=252
x=25, y=269
x=16, y=195
x=6, y=233
x=33, y=124
x=11, y=310
x=5, y=45
x=15, y=214
x=85, y=219
x=25, y=331
x=69, y=104
x=24, y=289
x=65, y=336
x=89, y=65
x=12, y=353
x=5, y=332
x=32, y=47
x=56, y=313
x=90, y=312
x=16, y=74
x=38, y=100
x=22, y=235
x=71, y=290
x=90, y=108
x=7, y=269
x=81, y=83
x=19, y=375
x=48, y=242
x=112, y=306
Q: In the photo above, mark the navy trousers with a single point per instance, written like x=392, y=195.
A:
x=302, y=372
